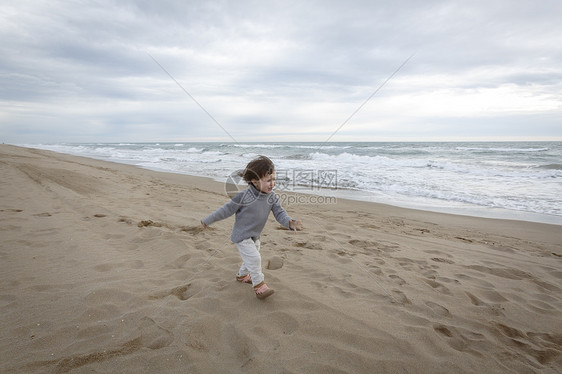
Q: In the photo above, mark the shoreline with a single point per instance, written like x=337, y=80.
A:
x=446, y=207
x=218, y=187
x=104, y=268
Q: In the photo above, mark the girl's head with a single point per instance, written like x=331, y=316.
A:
x=261, y=173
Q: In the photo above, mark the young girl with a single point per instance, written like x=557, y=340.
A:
x=252, y=207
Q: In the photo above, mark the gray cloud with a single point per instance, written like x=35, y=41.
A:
x=259, y=66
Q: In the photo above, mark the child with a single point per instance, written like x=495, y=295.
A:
x=252, y=207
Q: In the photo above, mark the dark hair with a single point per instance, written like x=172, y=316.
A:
x=258, y=168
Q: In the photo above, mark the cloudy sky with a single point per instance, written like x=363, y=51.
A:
x=111, y=70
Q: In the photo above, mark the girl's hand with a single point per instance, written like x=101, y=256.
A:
x=203, y=226
x=295, y=225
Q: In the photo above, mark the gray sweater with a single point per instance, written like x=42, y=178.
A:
x=252, y=208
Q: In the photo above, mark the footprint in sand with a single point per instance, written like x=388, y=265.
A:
x=494, y=309
x=374, y=269
x=400, y=297
x=542, y=346
x=406, y=263
x=181, y=292
x=437, y=286
x=546, y=286
x=438, y=310
x=399, y=281
x=308, y=245
x=440, y=259
x=154, y=336
x=193, y=230
x=278, y=323
x=363, y=243
x=179, y=263
x=274, y=263
x=460, y=339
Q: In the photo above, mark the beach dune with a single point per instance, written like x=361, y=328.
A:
x=104, y=269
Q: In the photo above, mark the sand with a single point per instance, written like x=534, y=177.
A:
x=104, y=269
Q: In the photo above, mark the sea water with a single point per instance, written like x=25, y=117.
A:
x=518, y=180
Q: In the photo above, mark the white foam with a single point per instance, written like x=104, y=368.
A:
x=516, y=178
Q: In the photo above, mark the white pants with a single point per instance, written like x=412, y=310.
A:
x=251, y=260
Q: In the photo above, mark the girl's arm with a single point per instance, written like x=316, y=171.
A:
x=283, y=218
x=223, y=212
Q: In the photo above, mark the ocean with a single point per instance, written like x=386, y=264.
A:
x=514, y=180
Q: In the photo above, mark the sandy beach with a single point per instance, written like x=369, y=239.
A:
x=104, y=269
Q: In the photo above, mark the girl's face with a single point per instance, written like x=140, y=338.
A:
x=265, y=184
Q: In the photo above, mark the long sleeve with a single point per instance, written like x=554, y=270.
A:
x=279, y=213
x=223, y=212
x=252, y=209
